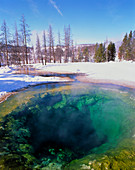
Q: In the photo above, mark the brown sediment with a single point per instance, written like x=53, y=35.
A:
x=32, y=72
x=36, y=72
x=63, y=79
x=6, y=96
x=84, y=78
x=87, y=79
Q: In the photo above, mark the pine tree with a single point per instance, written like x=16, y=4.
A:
x=123, y=48
x=80, y=55
x=111, y=50
x=120, y=53
x=100, y=53
x=129, y=55
x=86, y=54
x=127, y=49
x=133, y=45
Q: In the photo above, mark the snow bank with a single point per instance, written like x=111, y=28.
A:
x=4, y=69
x=11, y=82
x=30, y=79
x=2, y=93
x=114, y=71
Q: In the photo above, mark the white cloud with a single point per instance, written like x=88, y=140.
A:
x=56, y=7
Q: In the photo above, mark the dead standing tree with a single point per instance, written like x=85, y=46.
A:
x=25, y=37
x=44, y=46
x=67, y=42
x=73, y=52
x=5, y=40
x=59, y=51
x=16, y=57
x=0, y=54
x=38, y=50
x=51, y=44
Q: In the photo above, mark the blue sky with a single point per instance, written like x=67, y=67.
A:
x=91, y=20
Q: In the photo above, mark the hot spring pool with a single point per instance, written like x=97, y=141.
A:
x=68, y=126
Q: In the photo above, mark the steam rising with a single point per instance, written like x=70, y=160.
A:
x=64, y=126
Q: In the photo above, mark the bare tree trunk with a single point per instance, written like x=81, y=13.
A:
x=16, y=47
x=54, y=59
x=25, y=37
x=5, y=36
x=67, y=42
x=59, y=42
x=38, y=50
x=44, y=45
x=73, y=53
x=51, y=43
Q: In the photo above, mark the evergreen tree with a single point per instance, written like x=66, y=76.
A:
x=127, y=49
x=133, y=45
x=86, y=54
x=129, y=55
x=80, y=55
x=111, y=50
x=120, y=53
x=100, y=53
x=123, y=48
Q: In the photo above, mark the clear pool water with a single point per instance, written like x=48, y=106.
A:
x=58, y=123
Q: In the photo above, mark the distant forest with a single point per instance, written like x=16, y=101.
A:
x=15, y=48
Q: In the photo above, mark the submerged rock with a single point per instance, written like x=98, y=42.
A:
x=123, y=157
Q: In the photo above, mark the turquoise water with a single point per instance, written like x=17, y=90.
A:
x=62, y=122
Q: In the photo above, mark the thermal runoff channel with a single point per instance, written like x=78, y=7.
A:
x=65, y=123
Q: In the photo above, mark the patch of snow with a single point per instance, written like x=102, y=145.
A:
x=4, y=69
x=10, y=82
x=120, y=71
x=124, y=70
x=2, y=93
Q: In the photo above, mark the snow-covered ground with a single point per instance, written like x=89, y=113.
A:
x=10, y=82
x=116, y=72
x=120, y=71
